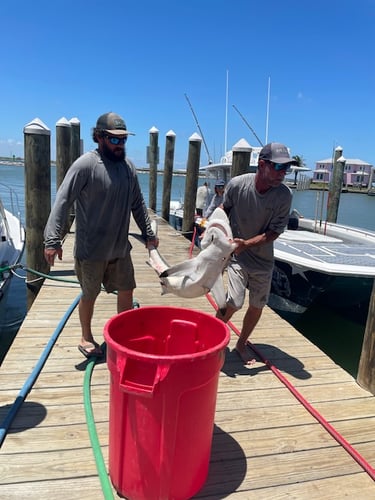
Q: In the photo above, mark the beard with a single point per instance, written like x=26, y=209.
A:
x=114, y=154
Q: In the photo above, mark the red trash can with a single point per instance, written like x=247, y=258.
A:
x=164, y=364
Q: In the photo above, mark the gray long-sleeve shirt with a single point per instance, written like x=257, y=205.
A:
x=105, y=194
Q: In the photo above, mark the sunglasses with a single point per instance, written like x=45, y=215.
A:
x=116, y=140
x=281, y=166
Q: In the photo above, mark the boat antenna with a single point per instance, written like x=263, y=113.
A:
x=244, y=119
x=268, y=107
x=226, y=114
x=200, y=131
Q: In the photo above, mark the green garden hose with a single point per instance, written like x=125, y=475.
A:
x=98, y=455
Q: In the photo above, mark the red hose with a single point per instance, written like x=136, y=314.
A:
x=328, y=427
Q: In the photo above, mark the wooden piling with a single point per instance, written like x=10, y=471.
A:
x=241, y=158
x=335, y=186
x=191, y=184
x=366, y=369
x=75, y=147
x=153, y=161
x=63, y=158
x=37, y=200
x=63, y=152
x=168, y=173
x=75, y=152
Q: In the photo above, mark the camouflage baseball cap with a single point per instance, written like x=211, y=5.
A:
x=113, y=124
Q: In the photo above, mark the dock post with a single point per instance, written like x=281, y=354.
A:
x=63, y=154
x=75, y=152
x=168, y=174
x=335, y=186
x=191, y=185
x=75, y=145
x=241, y=158
x=153, y=160
x=63, y=158
x=366, y=369
x=37, y=146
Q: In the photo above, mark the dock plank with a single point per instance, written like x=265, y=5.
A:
x=265, y=442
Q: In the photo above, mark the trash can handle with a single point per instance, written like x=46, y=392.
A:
x=140, y=377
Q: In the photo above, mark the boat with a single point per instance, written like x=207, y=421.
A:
x=12, y=237
x=324, y=262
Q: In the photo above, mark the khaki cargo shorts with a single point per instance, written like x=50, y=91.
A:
x=114, y=275
x=258, y=282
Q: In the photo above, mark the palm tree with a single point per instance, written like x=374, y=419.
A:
x=300, y=164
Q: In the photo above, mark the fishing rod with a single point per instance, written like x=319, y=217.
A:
x=200, y=131
x=244, y=119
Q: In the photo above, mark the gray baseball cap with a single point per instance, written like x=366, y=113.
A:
x=113, y=124
x=277, y=153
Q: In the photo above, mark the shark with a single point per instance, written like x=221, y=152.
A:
x=204, y=273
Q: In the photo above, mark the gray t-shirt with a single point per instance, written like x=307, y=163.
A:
x=105, y=194
x=252, y=213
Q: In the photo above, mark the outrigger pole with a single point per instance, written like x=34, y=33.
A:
x=244, y=119
x=200, y=131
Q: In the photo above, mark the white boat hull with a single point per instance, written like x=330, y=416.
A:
x=12, y=243
x=327, y=263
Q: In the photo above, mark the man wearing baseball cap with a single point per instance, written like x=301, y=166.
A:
x=258, y=207
x=104, y=187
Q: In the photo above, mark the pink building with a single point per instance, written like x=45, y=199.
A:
x=357, y=173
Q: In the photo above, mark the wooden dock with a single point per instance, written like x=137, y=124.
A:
x=266, y=444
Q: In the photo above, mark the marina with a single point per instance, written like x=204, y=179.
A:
x=355, y=210
x=297, y=421
x=294, y=424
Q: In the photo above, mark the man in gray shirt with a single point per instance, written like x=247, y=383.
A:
x=104, y=186
x=258, y=207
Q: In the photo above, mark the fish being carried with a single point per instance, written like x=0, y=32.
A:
x=204, y=273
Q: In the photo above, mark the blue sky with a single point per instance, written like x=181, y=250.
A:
x=139, y=59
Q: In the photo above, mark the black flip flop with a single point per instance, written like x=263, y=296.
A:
x=89, y=353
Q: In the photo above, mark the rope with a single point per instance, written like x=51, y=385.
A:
x=327, y=426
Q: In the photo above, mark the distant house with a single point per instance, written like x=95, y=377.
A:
x=357, y=173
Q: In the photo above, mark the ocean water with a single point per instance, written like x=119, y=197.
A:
x=338, y=337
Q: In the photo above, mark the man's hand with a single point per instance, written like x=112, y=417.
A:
x=50, y=255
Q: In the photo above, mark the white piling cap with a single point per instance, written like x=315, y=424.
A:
x=242, y=146
x=63, y=122
x=36, y=126
x=195, y=138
